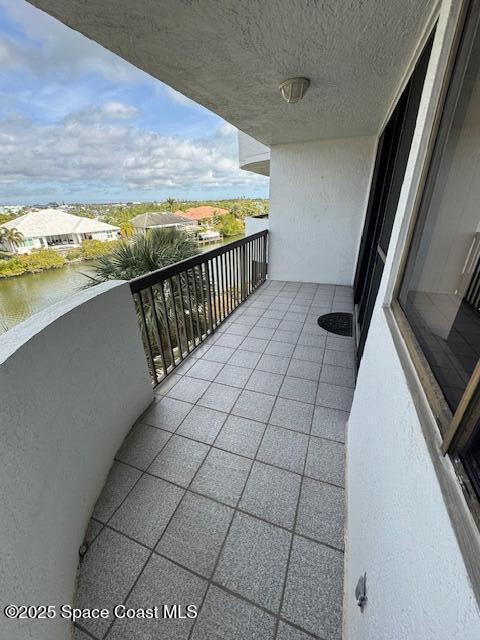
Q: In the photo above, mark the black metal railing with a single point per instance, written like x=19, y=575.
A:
x=179, y=306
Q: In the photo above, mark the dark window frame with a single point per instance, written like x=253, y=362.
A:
x=459, y=429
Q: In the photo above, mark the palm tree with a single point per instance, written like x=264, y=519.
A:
x=144, y=253
x=12, y=236
x=171, y=204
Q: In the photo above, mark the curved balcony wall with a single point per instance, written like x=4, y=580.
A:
x=73, y=380
x=253, y=155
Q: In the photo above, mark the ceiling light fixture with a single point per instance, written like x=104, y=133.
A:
x=294, y=89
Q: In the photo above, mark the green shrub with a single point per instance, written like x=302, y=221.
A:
x=229, y=225
x=11, y=267
x=95, y=248
x=74, y=254
x=41, y=260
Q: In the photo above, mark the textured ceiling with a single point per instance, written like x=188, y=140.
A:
x=230, y=55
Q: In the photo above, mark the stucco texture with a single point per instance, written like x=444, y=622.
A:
x=73, y=380
x=318, y=195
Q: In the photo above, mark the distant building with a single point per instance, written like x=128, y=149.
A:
x=56, y=229
x=204, y=213
x=161, y=220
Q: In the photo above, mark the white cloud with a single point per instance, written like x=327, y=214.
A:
x=103, y=148
x=49, y=48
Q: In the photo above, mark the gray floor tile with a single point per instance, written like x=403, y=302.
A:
x=271, y=494
x=78, y=634
x=275, y=348
x=290, y=337
x=164, y=387
x=219, y=396
x=290, y=325
x=225, y=617
x=167, y=413
x=314, y=590
x=339, y=358
x=202, y=349
x=321, y=513
x=179, y=460
x=341, y=376
x=161, y=582
x=202, y=424
x=196, y=533
x=254, y=344
x=219, y=354
x=120, y=480
x=265, y=382
x=142, y=445
x=234, y=376
x=292, y=414
x=335, y=397
x=244, y=358
x=286, y=449
x=251, y=312
x=326, y=461
x=205, y=369
x=277, y=314
x=241, y=436
x=246, y=321
x=329, y=423
x=310, y=337
x=253, y=405
x=304, y=369
x=273, y=364
x=254, y=560
x=229, y=340
x=270, y=323
x=184, y=366
x=310, y=354
x=340, y=344
x=188, y=389
x=287, y=632
x=265, y=333
x=93, y=529
x=296, y=316
x=238, y=329
x=299, y=389
x=108, y=572
x=222, y=476
x=147, y=510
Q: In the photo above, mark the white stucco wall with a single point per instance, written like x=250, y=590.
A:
x=253, y=155
x=255, y=225
x=318, y=196
x=73, y=379
x=398, y=527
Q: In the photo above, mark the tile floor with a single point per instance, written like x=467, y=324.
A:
x=228, y=492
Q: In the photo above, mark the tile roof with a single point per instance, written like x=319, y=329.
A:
x=159, y=219
x=199, y=213
x=51, y=222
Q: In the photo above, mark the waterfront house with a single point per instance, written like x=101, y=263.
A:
x=161, y=220
x=204, y=214
x=56, y=229
x=292, y=481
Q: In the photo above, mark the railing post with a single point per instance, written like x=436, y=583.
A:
x=243, y=272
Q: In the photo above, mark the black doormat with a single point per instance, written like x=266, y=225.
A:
x=339, y=323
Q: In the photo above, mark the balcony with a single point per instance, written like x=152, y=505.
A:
x=228, y=491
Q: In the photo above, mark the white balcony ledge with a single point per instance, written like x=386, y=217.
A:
x=73, y=379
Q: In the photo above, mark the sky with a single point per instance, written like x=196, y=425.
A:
x=80, y=124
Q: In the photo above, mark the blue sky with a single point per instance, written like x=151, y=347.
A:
x=79, y=124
